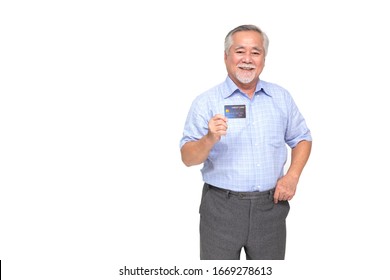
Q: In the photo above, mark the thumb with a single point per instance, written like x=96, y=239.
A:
x=276, y=196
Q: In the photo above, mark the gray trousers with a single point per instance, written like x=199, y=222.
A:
x=230, y=221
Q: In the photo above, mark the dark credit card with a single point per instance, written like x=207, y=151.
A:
x=235, y=111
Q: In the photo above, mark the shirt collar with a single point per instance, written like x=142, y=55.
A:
x=232, y=88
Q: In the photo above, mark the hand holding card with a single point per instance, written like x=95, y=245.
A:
x=217, y=127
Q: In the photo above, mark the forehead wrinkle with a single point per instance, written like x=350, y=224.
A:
x=253, y=48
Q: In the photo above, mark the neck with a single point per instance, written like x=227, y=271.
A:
x=248, y=89
x=249, y=94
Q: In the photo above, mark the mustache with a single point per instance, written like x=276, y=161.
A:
x=245, y=65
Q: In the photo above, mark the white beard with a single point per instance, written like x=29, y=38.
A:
x=244, y=77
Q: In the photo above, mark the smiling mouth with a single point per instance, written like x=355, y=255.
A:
x=246, y=66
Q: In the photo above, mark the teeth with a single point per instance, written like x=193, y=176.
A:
x=246, y=67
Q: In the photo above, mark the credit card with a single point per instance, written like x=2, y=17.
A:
x=235, y=111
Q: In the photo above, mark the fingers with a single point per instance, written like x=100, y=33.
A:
x=276, y=195
x=281, y=197
x=220, y=120
x=285, y=188
x=282, y=194
x=220, y=116
x=218, y=125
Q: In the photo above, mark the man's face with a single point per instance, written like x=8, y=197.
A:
x=245, y=58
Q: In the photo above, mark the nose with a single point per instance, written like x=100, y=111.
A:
x=247, y=58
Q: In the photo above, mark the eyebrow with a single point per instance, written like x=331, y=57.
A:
x=258, y=49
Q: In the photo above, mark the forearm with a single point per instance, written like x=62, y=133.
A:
x=196, y=152
x=299, y=157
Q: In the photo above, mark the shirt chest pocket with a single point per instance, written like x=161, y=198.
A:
x=269, y=129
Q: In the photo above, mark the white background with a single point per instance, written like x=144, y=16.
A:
x=94, y=95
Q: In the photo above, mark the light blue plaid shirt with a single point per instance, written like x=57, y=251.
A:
x=251, y=157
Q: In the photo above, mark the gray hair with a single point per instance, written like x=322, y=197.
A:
x=229, y=39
